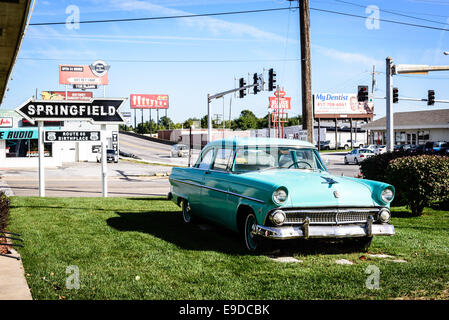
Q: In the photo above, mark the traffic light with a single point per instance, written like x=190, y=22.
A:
x=256, y=86
x=395, y=95
x=430, y=97
x=362, y=93
x=271, y=79
x=242, y=92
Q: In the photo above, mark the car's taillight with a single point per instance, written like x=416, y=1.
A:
x=362, y=156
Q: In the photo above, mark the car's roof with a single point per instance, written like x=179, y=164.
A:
x=261, y=141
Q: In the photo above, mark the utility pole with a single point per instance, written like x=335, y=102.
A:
x=389, y=103
x=306, y=69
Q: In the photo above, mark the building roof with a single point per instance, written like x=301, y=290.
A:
x=260, y=142
x=438, y=118
x=13, y=17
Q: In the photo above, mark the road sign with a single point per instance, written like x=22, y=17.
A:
x=97, y=110
x=57, y=136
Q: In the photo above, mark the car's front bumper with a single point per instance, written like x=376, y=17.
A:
x=325, y=231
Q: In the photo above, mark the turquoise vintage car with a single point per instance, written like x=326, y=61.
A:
x=279, y=189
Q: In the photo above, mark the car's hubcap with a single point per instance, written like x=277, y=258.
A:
x=251, y=240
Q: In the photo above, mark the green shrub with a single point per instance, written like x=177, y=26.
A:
x=420, y=180
x=4, y=211
x=375, y=168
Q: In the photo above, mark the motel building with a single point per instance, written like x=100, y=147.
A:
x=19, y=142
x=417, y=127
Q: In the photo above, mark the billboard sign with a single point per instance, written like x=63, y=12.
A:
x=94, y=74
x=149, y=101
x=71, y=95
x=341, y=105
x=279, y=101
x=53, y=136
x=96, y=110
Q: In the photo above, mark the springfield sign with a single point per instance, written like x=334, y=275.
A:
x=96, y=110
x=341, y=105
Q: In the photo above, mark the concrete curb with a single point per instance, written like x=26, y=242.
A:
x=13, y=285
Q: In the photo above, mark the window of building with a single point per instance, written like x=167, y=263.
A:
x=26, y=148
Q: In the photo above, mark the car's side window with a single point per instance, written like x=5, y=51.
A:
x=206, y=159
x=222, y=159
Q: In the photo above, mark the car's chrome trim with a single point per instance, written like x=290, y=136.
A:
x=345, y=231
x=218, y=190
x=329, y=215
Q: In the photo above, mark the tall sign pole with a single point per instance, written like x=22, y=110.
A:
x=104, y=170
x=306, y=69
x=40, y=125
x=389, y=103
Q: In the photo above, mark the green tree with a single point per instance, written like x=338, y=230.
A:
x=246, y=120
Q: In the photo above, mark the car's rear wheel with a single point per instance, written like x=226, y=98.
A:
x=186, y=212
x=356, y=161
x=252, y=241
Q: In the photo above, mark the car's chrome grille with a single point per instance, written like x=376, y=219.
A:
x=330, y=215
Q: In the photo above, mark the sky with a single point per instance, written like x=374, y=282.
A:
x=191, y=57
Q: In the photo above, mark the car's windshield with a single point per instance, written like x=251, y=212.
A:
x=110, y=151
x=252, y=159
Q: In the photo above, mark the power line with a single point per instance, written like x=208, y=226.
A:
x=393, y=12
x=244, y=12
x=378, y=19
x=165, y=17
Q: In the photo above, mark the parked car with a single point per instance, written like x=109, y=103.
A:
x=347, y=144
x=444, y=150
x=111, y=156
x=358, y=155
x=179, y=150
x=419, y=149
x=377, y=149
x=326, y=145
x=403, y=147
x=434, y=147
x=279, y=189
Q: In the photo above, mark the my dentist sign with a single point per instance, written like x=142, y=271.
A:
x=341, y=105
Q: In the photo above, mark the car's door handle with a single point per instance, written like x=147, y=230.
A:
x=207, y=172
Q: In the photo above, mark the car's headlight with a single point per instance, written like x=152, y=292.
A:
x=384, y=215
x=387, y=195
x=280, y=196
x=278, y=217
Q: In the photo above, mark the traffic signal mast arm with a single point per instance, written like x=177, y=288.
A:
x=221, y=94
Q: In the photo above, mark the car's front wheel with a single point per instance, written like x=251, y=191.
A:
x=346, y=160
x=252, y=241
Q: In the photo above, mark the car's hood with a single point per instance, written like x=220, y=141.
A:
x=319, y=189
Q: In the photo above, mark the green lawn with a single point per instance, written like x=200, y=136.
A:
x=138, y=248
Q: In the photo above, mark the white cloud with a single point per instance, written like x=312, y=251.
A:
x=214, y=25
x=347, y=57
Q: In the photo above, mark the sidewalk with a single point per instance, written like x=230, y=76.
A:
x=13, y=285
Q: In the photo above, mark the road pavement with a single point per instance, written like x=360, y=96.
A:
x=153, y=151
